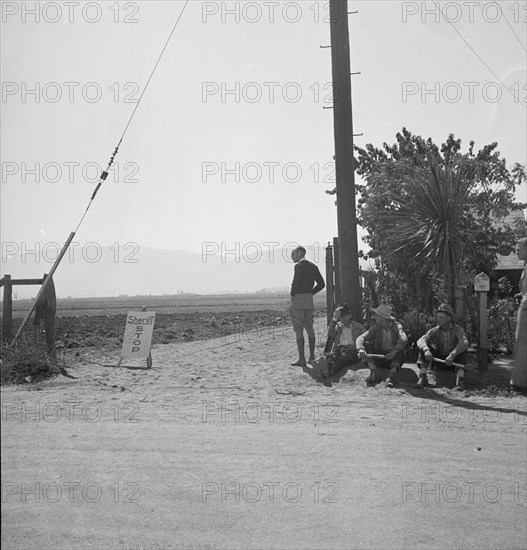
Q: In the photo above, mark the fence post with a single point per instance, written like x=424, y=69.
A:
x=459, y=304
x=330, y=298
x=336, y=263
x=7, y=312
x=482, y=286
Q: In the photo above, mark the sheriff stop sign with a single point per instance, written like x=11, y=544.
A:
x=138, y=334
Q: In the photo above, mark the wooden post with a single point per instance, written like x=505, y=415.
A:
x=344, y=160
x=482, y=286
x=7, y=311
x=46, y=281
x=330, y=289
x=49, y=307
x=336, y=263
x=482, y=348
x=149, y=358
x=459, y=304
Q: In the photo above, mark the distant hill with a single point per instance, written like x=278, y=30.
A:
x=97, y=272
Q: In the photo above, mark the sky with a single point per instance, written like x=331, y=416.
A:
x=230, y=144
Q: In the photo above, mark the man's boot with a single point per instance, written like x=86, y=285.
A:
x=323, y=366
x=423, y=378
x=391, y=381
x=460, y=379
x=374, y=377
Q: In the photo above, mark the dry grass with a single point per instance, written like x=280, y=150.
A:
x=26, y=362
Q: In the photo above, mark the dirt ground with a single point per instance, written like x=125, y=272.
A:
x=223, y=444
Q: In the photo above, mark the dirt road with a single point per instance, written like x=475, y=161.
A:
x=222, y=444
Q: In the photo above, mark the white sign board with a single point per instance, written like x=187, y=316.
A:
x=138, y=334
x=482, y=283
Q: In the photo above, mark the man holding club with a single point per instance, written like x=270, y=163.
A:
x=382, y=346
x=445, y=344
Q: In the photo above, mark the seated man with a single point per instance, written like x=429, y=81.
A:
x=386, y=337
x=343, y=331
x=446, y=341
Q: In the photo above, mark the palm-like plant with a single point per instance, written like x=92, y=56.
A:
x=430, y=214
x=428, y=217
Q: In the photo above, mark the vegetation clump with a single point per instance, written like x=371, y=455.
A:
x=26, y=362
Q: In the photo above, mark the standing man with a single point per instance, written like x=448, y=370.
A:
x=307, y=281
x=519, y=371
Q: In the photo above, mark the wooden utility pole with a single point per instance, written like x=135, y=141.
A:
x=344, y=160
x=7, y=313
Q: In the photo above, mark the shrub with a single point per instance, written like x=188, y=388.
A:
x=415, y=324
x=501, y=325
x=26, y=362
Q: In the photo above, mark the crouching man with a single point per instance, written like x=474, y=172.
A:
x=446, y=341
x=343, y=331
x=387, y=338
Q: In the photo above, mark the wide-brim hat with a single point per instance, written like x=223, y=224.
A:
x=384, y=311
x=446, y=308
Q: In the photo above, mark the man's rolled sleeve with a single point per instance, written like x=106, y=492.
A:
x=462, y=341
x=359, y=343
x=332, y=328
x=422, y=343
x=403, y=339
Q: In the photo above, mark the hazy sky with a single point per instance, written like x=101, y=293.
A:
x=238, y=95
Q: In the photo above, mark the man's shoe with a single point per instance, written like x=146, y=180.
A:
x=422, y=382
x=372, y=379
x=323, y=366
x=460, y=384
x=299, y=364
x=390, y=382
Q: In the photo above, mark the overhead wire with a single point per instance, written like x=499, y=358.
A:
x=476, y=53
x=104, y=174
x=512, y=29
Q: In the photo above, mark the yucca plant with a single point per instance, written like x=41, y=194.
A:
x=430, y=215
x=429, y=218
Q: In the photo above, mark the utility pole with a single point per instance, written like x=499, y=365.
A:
x=344, y=160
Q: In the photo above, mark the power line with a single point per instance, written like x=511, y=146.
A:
x=155, y=67
x=514, y=32
x=476, y=53
x=104, y=175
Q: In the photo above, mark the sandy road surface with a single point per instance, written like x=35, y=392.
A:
x=222, y=444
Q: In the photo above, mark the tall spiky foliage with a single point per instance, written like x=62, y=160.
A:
x=428, y=216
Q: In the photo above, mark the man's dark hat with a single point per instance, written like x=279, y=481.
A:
x=446, y=308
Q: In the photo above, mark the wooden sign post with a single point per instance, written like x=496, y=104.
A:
x=482, y=286
x=137, y=338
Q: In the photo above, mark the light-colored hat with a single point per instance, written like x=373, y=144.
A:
x=384, y=311
x=446, y=308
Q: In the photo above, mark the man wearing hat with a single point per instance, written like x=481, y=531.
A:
x=446, y=341
x=386, y=337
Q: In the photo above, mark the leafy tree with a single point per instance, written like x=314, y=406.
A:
x=431, y=214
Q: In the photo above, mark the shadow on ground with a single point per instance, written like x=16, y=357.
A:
x=493, y=383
